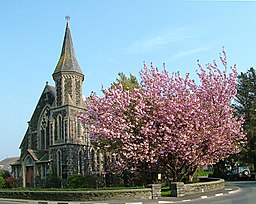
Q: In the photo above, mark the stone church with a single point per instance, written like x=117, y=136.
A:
x=56, y=143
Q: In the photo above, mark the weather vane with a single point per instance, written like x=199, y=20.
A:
x=67, y=18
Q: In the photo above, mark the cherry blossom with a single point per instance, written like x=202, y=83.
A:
x=170, y=123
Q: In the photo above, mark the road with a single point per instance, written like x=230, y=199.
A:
x=9, y=202
x=246, y=195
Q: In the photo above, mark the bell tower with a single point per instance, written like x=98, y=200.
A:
x=69, y=104
x=68, y=135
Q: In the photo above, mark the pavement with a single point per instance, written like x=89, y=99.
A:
x=163, y=200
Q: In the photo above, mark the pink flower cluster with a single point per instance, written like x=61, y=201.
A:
x=170, y=121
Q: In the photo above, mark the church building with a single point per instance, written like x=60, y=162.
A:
x=56, y=143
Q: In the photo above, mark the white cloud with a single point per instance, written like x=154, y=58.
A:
x=190, y=52
x=159, y=41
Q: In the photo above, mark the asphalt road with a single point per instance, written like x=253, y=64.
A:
x=245, y=195
x=9, y=202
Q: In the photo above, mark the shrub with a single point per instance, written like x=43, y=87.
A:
x=53, y=182
x=76, y=181
x=1, y=182
x=10, y=182
x=5, y=174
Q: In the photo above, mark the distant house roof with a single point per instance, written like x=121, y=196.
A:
x=5, y=164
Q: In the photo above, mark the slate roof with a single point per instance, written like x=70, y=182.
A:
x=5, y=164
x=67, y=61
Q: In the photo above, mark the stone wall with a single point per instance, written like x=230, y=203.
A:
x=179, y=189
x=130, y=194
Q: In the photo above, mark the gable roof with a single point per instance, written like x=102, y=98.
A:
x=43, y=101
x=38, y=155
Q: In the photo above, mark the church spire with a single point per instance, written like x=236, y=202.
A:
x=67, y=61
x=68, y=75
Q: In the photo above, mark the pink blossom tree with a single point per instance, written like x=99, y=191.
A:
x=170, y=122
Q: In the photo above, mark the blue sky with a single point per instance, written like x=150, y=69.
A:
x=111, y=36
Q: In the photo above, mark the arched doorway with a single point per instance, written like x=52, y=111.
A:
x=29, y=168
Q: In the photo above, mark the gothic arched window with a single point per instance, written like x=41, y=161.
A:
x=55, y=130
x=42, y=139
x=93, y=159
x=44, y=133
x=80, y=166
x=98, y=161
x=59, y=163
x=60, y=128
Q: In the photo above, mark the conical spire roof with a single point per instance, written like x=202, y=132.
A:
x=67, y=61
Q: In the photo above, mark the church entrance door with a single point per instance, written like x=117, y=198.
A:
x=29, y=176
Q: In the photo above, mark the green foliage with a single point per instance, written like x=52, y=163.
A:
x=128, y=83
x=5, y=174
x=76, y=181
x=220, y=169
x=201, y=172
x=245, y=106
x=165, y=191
x=87, y=181
x=6, y=180
x=1, y=182
x=53, y=182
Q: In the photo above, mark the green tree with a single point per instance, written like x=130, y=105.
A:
x=5, y=174
x=128, y=83
x=245, y=105
x=1, y=182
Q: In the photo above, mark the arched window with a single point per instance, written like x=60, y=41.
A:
x=59, y=163
x=80, y=166
x=78, y=128
x=59, y=127
x=28, y=161
x=98, y=161
x=93, y=159
x=42, y=140
x=43, y=130
x=55, y=130
x=48, y=135
x=66, y=130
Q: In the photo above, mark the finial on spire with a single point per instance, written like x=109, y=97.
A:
x=67, y=18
